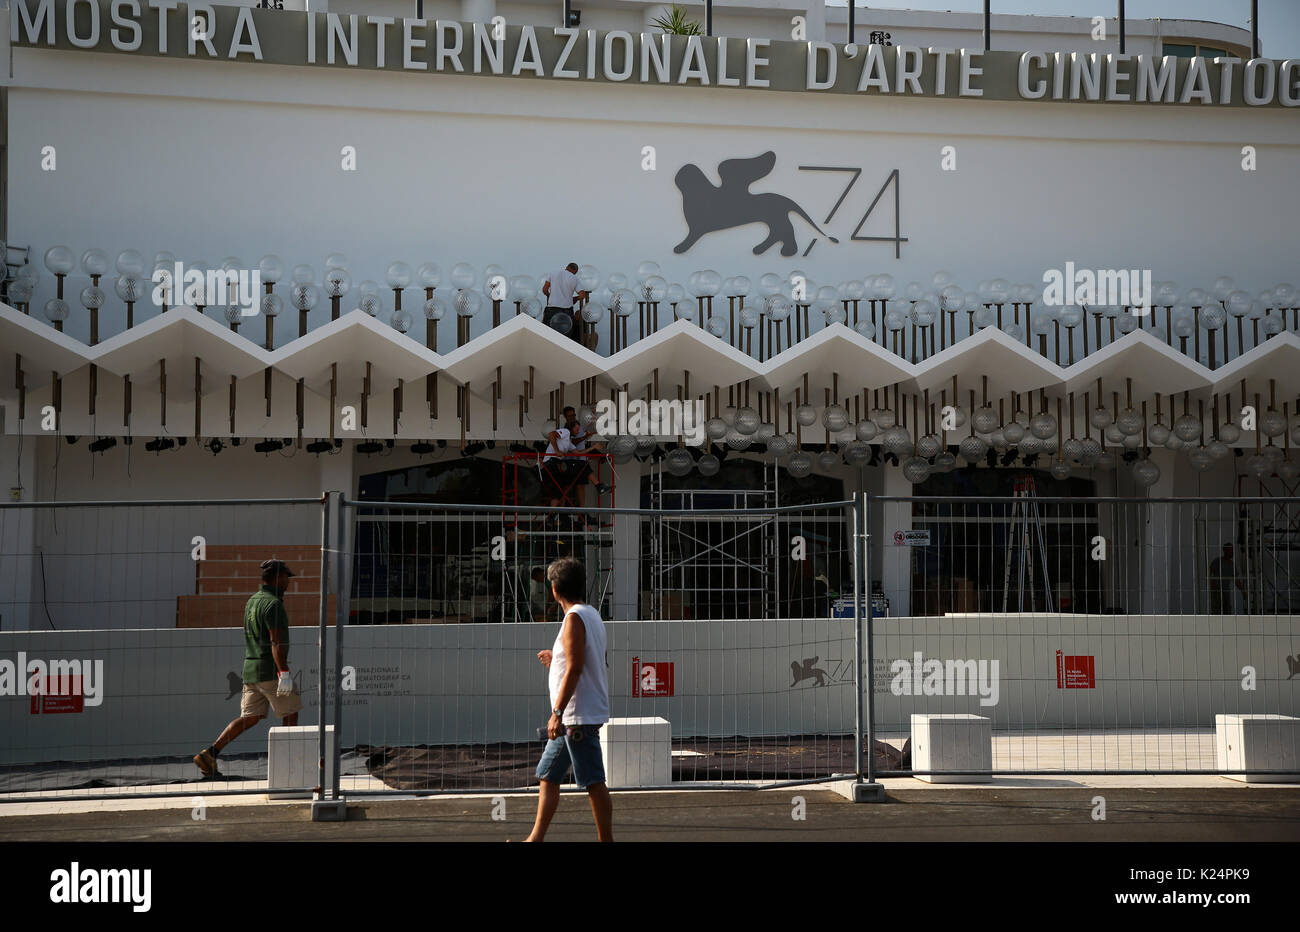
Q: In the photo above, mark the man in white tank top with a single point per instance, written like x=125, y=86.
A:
x=579, y=694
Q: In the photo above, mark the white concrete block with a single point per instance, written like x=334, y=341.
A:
x=952, y=742
x=293, y=760
x=637, y=751
x=1257, y=742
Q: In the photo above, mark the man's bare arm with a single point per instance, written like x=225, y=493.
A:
x=575, y=652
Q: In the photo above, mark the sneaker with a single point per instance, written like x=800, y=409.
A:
x=207, y=763
x=603, y=489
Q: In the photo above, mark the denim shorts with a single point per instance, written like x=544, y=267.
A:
x=579, y=748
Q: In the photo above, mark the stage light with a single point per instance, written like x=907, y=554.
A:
x=422, y=448
x=158, y=444
x=102, y=444
x=473, y=449
x=268, y=446
x=215, y=445
x=370, y=447
x=71, y=438
x=320, y=446
x=235, y=441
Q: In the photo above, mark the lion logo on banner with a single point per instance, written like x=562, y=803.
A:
x=709, y=208
x=808, y=670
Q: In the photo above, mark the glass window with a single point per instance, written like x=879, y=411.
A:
x=1182, y=51
x=1212, y=53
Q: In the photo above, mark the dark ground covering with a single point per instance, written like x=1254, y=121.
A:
x=468, y=767
x=740, y=760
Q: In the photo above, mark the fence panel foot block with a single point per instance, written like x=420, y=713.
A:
x=637, y=752
x=293, y=760
x=1257, y=742
x=953, y=742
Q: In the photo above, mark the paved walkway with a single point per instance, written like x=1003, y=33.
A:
x=1015, y=811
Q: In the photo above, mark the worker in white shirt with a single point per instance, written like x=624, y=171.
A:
x=561, y=289
x=569, y=473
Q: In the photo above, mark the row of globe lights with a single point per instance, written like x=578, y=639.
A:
x=779, y=295
x=1125, y=430
x=1030, y=434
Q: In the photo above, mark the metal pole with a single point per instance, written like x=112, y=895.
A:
x=338, y=647
x=852, y=10
x=708, y=17
x=324, y=600
x=1120, y=16
x=988, y=27
x=564, y=23
x=1254, y=28
x=870, y=641
x=857, y=632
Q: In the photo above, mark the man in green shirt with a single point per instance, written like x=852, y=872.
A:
x=266, y=664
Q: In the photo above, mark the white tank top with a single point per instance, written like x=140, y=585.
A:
x=590, y=702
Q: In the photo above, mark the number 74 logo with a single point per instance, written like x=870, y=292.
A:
x=854, y=173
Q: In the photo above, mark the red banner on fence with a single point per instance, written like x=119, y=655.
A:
x=60, y=694
x=1076, y=672
x=651, y=678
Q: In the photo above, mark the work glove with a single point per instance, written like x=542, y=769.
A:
x=285, y=686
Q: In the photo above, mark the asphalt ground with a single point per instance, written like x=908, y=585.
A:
x=798, y=814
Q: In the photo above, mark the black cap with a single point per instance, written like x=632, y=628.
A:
x=272, y=568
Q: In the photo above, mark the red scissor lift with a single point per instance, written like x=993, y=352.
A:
x=570, y=493
x=538, y=538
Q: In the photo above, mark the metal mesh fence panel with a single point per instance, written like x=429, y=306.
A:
x=1086, y=635
x=122, y=644
x=733, y=628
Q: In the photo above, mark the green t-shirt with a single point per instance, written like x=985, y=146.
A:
x=263, y=614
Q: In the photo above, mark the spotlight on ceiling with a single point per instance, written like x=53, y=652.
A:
x=370, y=447
x=491, y=444
x=158, y=444
x=215, y=446
x=102, y=444
x=235, y=441
x=71, y=438
x=422, y=448
x=473, y=449
x=268, y=446
x=320, y=446
x=1008, y=458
